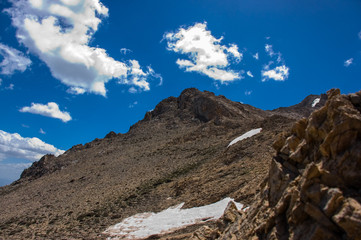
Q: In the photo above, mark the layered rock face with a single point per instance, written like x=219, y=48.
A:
x=313, y=187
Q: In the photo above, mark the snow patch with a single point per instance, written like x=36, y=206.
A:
x=143, y=225
x=315, y=102
x=246, y=135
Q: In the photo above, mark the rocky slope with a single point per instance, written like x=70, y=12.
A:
x=177, y=153
x=312, y=190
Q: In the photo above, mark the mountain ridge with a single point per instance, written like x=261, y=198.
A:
x=201, y=105
x=181, y=143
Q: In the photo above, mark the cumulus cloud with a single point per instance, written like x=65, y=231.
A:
x=205, y=53
x=249, y=73
x=59, y=32
x=13, y=60
x=12, y=145
x=279, y=73
x=48, y=110
x=348, y=62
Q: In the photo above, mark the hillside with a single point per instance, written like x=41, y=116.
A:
x=178, y=153
x=312, y=190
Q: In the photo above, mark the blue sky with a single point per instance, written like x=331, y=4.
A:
x=71, y=71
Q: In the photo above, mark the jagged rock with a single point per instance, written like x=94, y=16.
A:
x=349, y=218
x=204, y=107
x=333, y=200
x=231, y=213
x=110, y=135
x=312, y=189
x=205, y=233
x=40, y=168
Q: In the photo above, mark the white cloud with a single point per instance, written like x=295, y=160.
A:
x=49, y=110
x=348, y=62
x=59, y=32
x=1, y=81
x=233, y=49
x=359, y=34
x=247, y=93
x=42, y=131
x=155, y=75
x=132, y=90
x=279, y=73
x=36, y=3
x=256, y=56
x=10, y=87
x=12, y=145
x=76, y=90
x=132, y=105
x=269, y=50
x=249, y=73
x=206, y=54
x=125, y=51
x=13, y=60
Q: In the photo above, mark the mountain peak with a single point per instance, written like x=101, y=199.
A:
x=304, y=108
x=204, y=106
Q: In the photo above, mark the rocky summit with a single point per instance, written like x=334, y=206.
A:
x=298, y=180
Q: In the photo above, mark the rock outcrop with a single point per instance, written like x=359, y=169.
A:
x=205, y=106
x=313, y=187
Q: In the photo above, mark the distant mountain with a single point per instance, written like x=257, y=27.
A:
x=178, y=153
x=304, y=108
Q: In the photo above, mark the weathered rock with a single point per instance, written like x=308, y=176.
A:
x=231, y=213
x=312, y=189
x=349, y=218
x=205, y=233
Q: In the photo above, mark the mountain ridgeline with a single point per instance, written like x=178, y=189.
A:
x=179, y=153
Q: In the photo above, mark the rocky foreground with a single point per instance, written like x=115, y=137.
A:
x=313, y=188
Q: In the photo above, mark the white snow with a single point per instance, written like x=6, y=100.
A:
x=246, y=135
x=315, y=102
x=143, y=225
